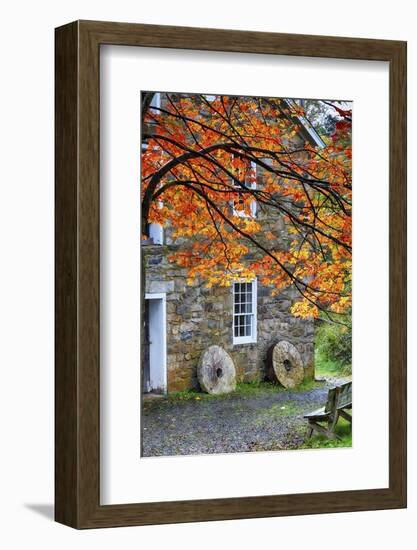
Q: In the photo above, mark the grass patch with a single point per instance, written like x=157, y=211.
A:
x=189, y=395
x=277, y=411
x=256, y=387
x=343, y=430
x=243, y=389
x=325, y=367
x=333, y=350
x=306, y=385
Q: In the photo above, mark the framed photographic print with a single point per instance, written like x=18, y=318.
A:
x=230, y=274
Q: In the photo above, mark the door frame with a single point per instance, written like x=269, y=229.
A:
x=161, y=296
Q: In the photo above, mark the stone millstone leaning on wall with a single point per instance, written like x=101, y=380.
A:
x=216, y=372
x=285, y=365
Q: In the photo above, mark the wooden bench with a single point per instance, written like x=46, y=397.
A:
x=324, y=420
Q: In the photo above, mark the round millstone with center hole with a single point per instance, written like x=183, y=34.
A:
x=286, y=365
x=216, y=372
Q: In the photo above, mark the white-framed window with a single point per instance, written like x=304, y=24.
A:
x=250, y=184
x=156, y=233
x=244, y=312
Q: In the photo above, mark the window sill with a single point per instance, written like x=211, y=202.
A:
x=244, y=342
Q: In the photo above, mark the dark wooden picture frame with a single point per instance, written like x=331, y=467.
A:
x=77, y=403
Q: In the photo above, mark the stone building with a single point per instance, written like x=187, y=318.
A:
x=246, y=319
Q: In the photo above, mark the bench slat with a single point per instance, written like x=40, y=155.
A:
x=317, y=413
x=345, y=395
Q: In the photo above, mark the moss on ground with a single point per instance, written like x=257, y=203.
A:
x=243, y=389
x=343, y=431
x=277, y=411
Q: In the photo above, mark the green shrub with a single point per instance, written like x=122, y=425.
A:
x=333, y=348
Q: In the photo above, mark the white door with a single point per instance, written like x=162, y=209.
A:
x=155, y=334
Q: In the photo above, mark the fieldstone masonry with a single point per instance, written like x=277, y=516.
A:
x=198, y=317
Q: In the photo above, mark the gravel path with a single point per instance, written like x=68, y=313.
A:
x=267, y=420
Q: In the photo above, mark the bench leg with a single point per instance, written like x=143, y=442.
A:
x=321, y=429
x=345, y=415
x=332, y=422
x=310, y=430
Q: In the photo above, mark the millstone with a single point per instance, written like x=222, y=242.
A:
x=285, y=365
x=216, y=372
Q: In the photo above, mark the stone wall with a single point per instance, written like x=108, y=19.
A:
x=198, y=317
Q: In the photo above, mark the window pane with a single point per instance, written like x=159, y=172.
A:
x=243, y=325
x=243, y=310
x=246, y=308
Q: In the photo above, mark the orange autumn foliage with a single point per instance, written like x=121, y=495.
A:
x=202, y=159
